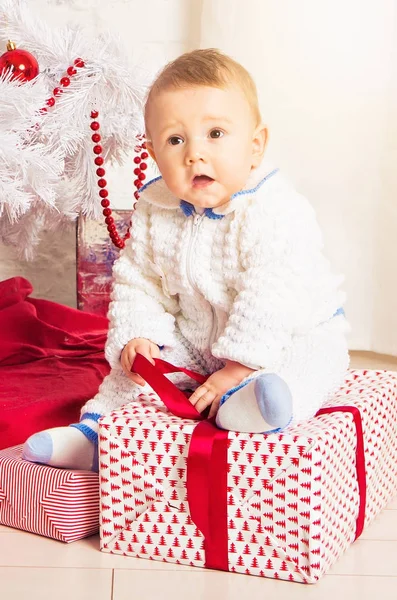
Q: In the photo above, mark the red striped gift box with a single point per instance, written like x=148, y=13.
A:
x=55, y=503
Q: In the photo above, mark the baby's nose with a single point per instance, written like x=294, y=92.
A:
x=195, y=151
x=192, y=158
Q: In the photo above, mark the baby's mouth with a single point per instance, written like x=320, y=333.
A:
x=201, y=181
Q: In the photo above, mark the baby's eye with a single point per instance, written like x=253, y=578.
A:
x=216, y=133
x=174, y=140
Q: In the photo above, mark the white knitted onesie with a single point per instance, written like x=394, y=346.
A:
x=246, y=282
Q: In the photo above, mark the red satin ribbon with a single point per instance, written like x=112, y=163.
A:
x=207, y=461
x=173, y=398
x=206, y=464
x=207, y=491
x=360, y=460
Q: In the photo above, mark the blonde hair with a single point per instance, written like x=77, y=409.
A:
x=206, y=67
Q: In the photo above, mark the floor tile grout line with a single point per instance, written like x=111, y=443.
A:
x=193, y=571
x=361, y=576
x=22, y=566
x=47, y=567
x=220, y=573
x=112, y=586
x=326, y=575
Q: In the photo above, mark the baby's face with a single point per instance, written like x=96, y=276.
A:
x=203, y=140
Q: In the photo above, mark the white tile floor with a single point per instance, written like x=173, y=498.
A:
x=32, y=567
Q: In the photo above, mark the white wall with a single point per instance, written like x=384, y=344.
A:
x=326, y=72
x=153, y=31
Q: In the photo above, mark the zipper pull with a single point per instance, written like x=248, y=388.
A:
x=197, y=219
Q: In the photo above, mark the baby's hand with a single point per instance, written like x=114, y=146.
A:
x=138, y=346
x=211, y=392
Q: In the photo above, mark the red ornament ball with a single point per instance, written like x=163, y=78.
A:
x=23, y=65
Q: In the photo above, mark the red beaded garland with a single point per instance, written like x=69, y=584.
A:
x=99, y=160
x=103, y=193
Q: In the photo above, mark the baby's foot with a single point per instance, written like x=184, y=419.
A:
x=73, y=447
x=259, y=405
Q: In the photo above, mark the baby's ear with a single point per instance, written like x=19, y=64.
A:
x=259, y=141
x=149, y=148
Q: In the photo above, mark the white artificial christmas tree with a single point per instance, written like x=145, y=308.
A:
x=47, y=173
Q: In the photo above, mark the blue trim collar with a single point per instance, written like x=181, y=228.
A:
x=189, y=210
x=156, y=192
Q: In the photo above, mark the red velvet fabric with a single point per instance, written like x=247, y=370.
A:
x=51, y=362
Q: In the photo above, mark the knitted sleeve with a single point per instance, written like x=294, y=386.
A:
x=284, y=287
x=138, y=307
